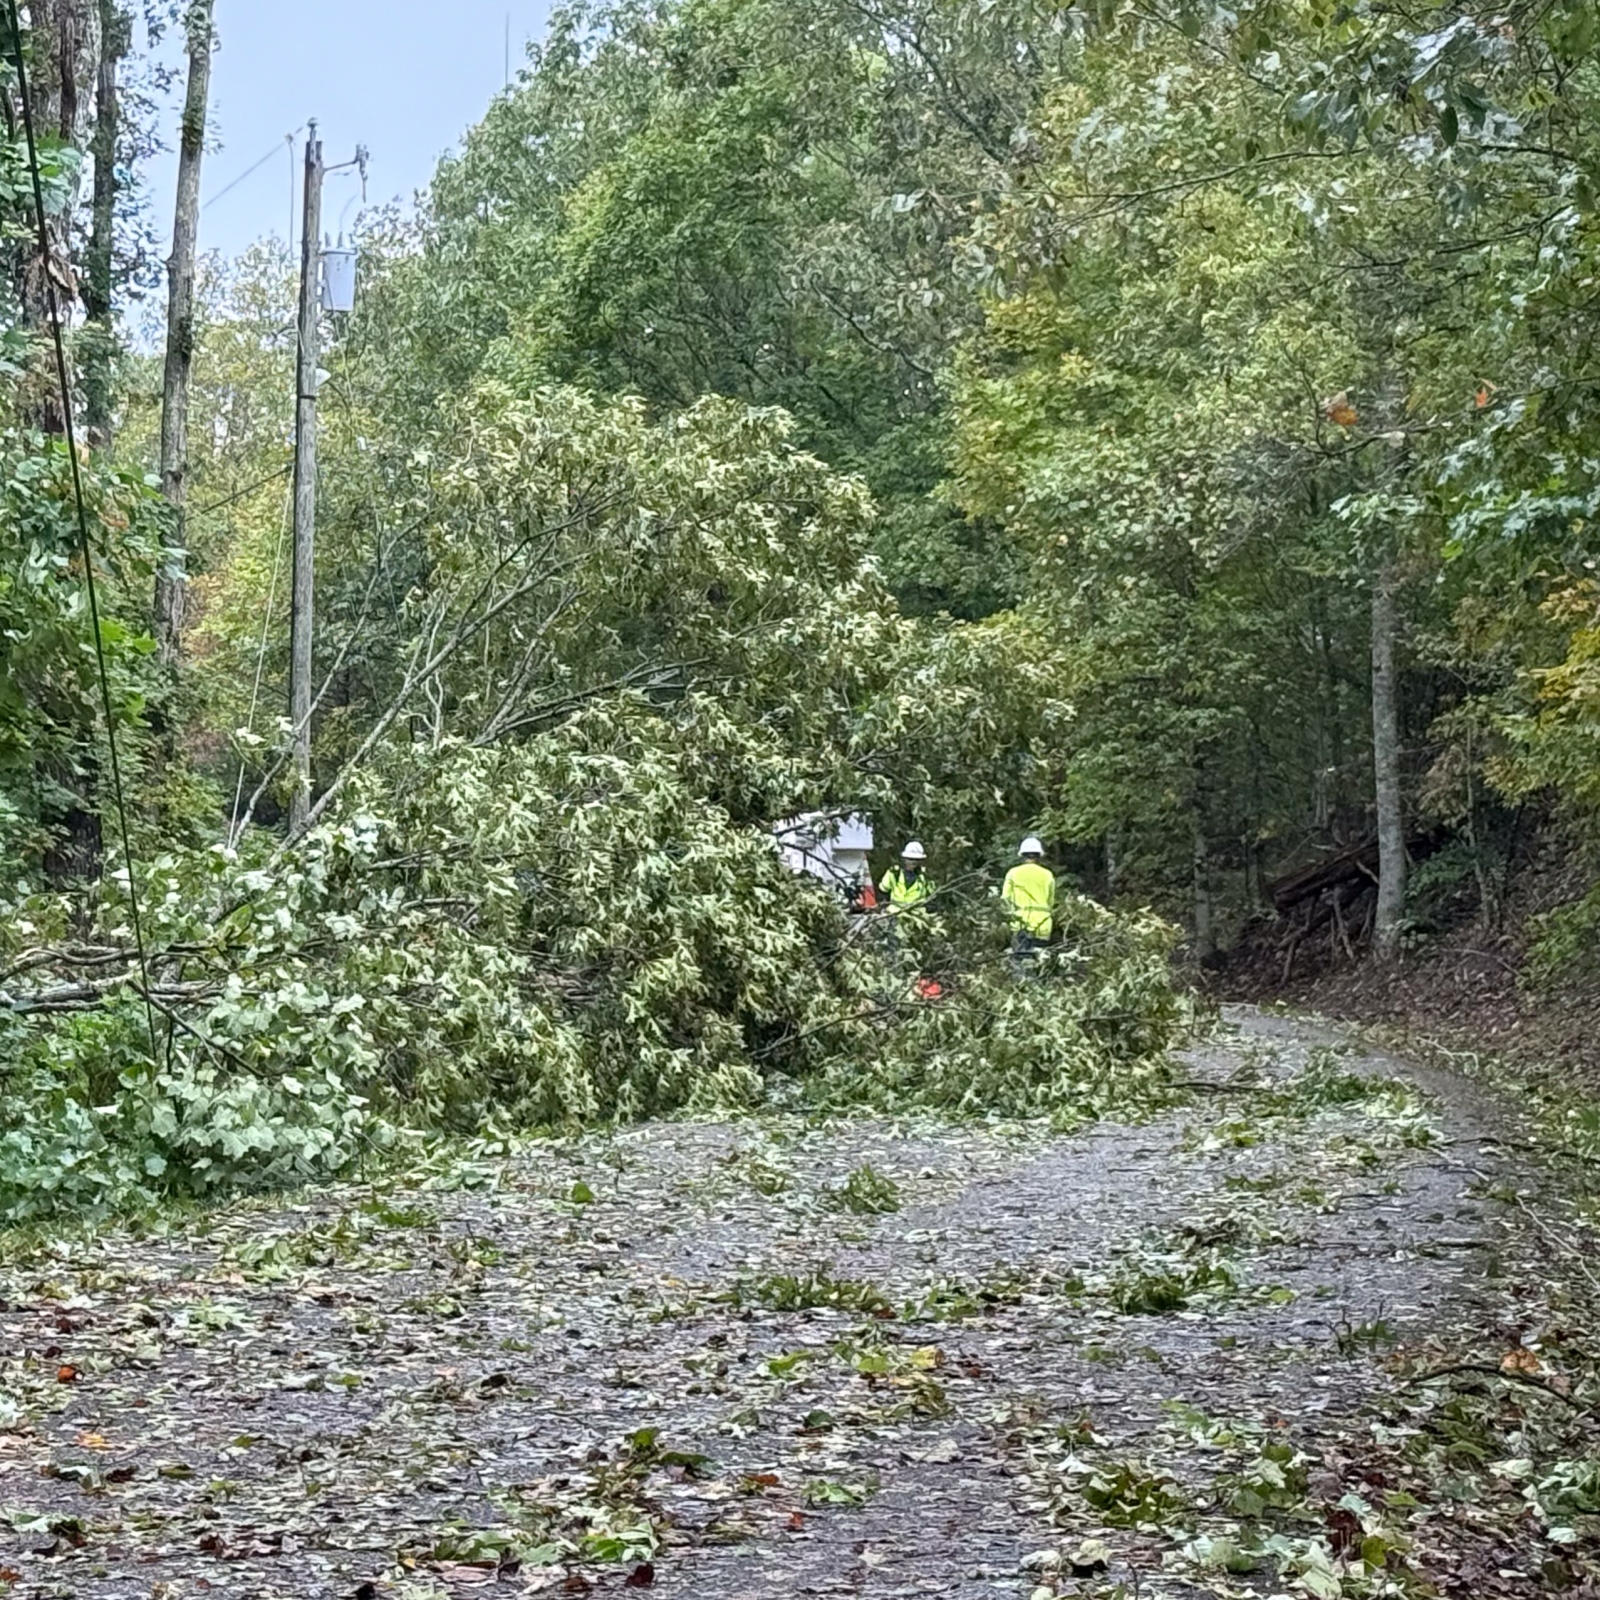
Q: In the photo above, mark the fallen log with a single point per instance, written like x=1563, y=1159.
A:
x=1359, y=863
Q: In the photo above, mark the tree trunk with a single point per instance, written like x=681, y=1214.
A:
x=171, y=581
x=1488, y=904
x=63, y=59
x=100, y=336
x=1386, y=770
x=1205, y=937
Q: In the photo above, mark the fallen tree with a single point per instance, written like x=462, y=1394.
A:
x=556, y=933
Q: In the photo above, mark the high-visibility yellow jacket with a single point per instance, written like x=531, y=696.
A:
x=1030, y=891
x=903, y=891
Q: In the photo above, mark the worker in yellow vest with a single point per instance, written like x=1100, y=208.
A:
x=907, y=888
x=1030, y=893
x=907, y=884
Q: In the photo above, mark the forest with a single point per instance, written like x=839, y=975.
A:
x=1161, y=426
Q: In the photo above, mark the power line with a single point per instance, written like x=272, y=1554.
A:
x=83, y=518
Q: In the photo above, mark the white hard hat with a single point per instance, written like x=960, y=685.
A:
x=914, y=852
x=1030, y=846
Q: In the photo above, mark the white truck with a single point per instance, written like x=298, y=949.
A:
x=828, y=847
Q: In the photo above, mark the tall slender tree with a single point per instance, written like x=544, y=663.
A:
x=63, y=47
x=171, y=581
x=116, y=35
x=1386, y=768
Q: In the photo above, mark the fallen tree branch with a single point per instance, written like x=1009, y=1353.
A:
x=90, y=996
x=1482, y=1369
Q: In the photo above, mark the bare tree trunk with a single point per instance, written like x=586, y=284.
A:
x=66, y=54
x=100, y=339
x=1205, y=936
x=64, y=57
x=171, y=581
x=1386, y=769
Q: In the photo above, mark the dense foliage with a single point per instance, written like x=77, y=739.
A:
x=1168, y=339
x=1166, y=427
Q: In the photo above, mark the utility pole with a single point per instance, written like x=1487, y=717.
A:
x=319, y=289
x=305, y=483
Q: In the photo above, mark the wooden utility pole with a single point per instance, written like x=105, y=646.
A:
x=171, y=581
x=305, y=482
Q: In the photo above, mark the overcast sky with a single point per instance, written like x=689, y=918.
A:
x=404, y=77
